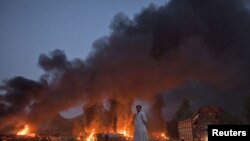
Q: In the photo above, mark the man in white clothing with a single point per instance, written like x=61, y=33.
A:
x=140, y=125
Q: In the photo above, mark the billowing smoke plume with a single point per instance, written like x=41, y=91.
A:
x=186, y=48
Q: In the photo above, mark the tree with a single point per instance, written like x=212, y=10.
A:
x=184, y=111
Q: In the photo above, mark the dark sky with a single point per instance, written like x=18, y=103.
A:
x=29, y=28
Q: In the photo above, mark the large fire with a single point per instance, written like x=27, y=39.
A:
x=90, y=137
x=109, y=125
x=118, y=125
x=25, y=131
x=122, y=132
x=104, y=126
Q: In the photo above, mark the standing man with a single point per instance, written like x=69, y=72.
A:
x=140, y=125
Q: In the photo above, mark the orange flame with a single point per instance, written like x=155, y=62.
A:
x=163, y=136
x=124, y=132
x=24, y=131
x=90, y=137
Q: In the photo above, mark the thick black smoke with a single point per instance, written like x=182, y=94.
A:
x=161, y=50
x=20, y=95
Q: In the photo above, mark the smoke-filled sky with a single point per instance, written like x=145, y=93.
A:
x=185, y=49
x=29, y=28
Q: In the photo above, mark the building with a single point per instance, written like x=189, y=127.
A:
x=185, y=130
x=195, y=128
